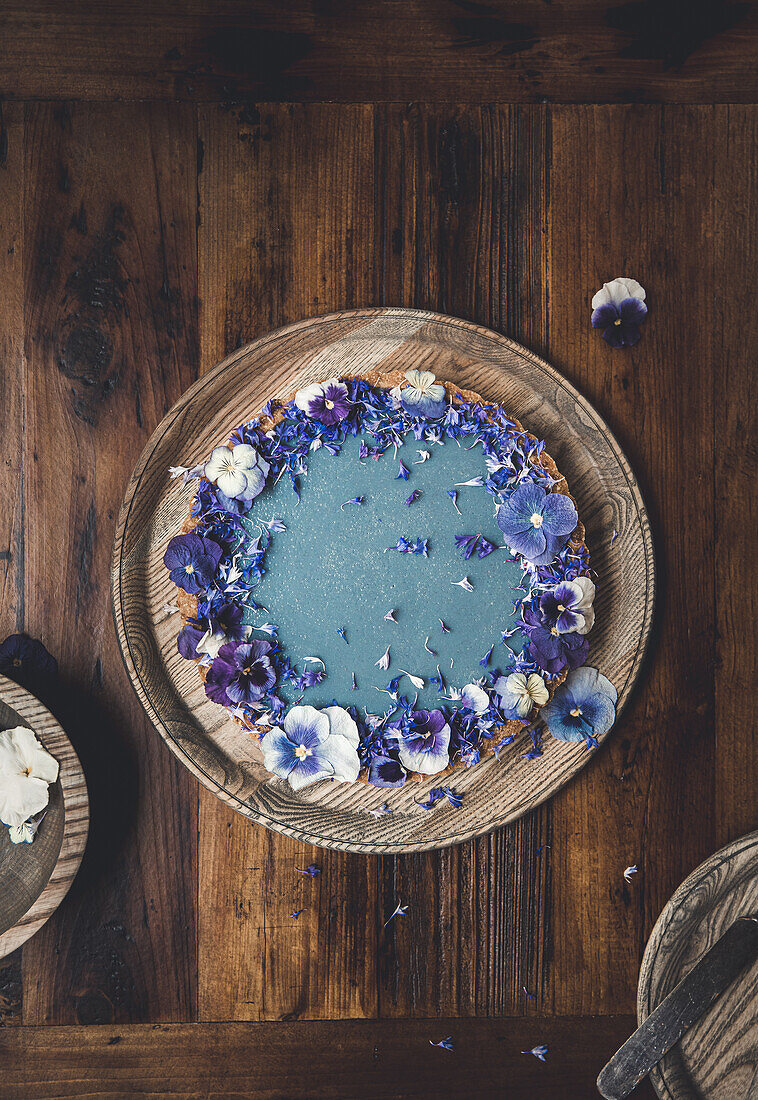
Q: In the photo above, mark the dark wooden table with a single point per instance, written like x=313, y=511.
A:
x=172, y=185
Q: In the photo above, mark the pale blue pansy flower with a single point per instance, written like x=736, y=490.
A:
x=582, y=707
x=314, y=744
x=423, y=396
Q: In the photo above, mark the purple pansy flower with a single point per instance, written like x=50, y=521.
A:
x=225, y=626
x=26, y=661
x=314, y=744
x=187, y=641
x=536, y=524
x=423, y=396
x=385, y=771
x=582, y=707
x=568, y=606
x=241, y=673
x=550, y=649
x=618, y=309
x=424, y=747
x=325, y=401
x=192, y=561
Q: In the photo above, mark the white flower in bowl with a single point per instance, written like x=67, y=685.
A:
x=26, y=771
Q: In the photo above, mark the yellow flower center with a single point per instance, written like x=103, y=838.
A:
x=329, y=404
x=554, y=630
x=189, y=568
x=561, y=607
x=617, y=321
x=27, y=772
x=536, y=520
x=575, y=713
x=17, y=662
x=301, y=752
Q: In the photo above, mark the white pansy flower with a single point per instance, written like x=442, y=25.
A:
x=520, y=692
x=26, y=771
x=239, y=472
x=617, y=291
x=475, y=698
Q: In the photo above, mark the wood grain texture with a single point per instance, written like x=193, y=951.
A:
x=456, y=50
x=110, y=287
x=735, y=246
x=36, y=878
x=656, y=775
x=717, y=1058
x=375, y=1060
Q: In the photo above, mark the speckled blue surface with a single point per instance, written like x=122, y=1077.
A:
x=329, y=570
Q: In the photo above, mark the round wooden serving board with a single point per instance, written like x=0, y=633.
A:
x=34, y=878
x=717, y=1059
x=220, y=754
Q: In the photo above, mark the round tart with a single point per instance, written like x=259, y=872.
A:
x=385, y=578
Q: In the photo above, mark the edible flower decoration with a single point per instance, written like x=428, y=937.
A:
x=238, y=472
x=27, y=662
x=550, y=649
x=568, y=606
x=241, y=673
x=192, y=561
x=325, y=401
x=314, y=744
x=618, y=309
x=475, y=698
x=583, y=707
x=536, y=524
x=424, y=746
x=423, y=396
x=225, y=625
x=520, y=693
x=26, y=771
x=385, y=771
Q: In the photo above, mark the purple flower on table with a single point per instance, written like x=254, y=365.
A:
x=238, y=472
x=241, y=673
x=618, y=309
x=385, y=771
x=568, y=606
x=583, y=707
x=550, y=649
x=325, y=401
x=423, y=396
x=424, y=746
x=537, y=524
x=192, y=561
x=27, y=662
x=314, y=744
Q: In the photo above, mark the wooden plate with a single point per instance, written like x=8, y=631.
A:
x=200, y=734
x=717, y=1059
x=34, y=878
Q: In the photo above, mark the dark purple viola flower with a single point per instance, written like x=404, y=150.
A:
x=192, y=561
x=384, y=771
x=617, y=309
x=242, y=673
x=568, y=606
x=424, y=746
x=228, y=619
x=187, y=641
x=550, y=649
x=27, y=662
x=536, y=524
x=324, y=401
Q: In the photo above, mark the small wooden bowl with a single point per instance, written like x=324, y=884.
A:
x=34, y=878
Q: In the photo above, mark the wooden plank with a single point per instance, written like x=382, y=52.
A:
x=330, y=1060
x=502, y=50
x=111, y=341
x=460, y=223
x=11, y=375
x=285, y=225
x=631, y=195
x=735, y=353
